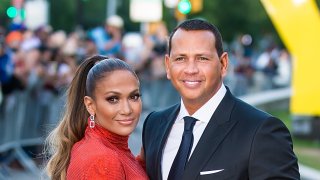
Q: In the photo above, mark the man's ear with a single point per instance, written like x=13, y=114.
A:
x=167, y=64
x=224, y=60
x=89, y=103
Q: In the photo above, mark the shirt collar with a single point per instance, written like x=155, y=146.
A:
x=205, y=113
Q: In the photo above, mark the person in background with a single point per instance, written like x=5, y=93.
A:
x=12, y=67
x=6, y=64
x=283, y=75
x=211, y=134
x=6, y=67
x=106, y=92
x=108, y=38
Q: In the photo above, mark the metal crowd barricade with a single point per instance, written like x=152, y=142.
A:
x=24, y=122
x=25, y=119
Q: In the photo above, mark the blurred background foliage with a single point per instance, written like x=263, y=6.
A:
x=231, y=17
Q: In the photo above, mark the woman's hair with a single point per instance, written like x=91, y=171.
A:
x=72, y=126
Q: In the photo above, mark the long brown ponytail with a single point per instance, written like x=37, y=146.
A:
x=72, y=125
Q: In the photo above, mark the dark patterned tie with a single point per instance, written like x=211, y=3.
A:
x=182, y=156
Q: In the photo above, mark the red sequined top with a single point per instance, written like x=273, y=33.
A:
x=104, y=155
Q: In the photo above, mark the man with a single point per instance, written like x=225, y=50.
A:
x=108, y=38
x=231, y=139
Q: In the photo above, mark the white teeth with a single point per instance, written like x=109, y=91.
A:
x=191, y=82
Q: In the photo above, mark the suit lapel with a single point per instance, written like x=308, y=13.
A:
x=166, y=124
x=217, y=129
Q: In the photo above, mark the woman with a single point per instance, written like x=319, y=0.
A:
x=106, y=92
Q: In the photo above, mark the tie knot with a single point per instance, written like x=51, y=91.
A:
x=189, y=123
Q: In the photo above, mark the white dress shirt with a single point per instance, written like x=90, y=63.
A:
x=174, y=139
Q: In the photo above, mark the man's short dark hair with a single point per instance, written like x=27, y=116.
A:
x=199, y=24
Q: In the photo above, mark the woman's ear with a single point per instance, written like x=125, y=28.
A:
x=89, y=103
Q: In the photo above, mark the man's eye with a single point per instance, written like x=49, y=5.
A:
x=179, y=58
x=203, y=58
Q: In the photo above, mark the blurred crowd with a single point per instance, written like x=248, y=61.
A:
x=258, y=66
x=36, y=67
x=43, y=61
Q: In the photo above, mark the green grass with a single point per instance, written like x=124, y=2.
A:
x=307, y=151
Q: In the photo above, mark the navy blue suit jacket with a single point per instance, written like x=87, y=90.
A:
x=243, y=141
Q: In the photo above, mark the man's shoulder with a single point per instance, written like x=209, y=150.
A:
x=250, y=109
x=249, y=115
x=163, y=112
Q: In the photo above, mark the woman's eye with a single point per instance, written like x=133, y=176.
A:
x=136, y=96
x=112, y=99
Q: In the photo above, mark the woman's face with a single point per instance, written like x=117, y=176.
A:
x=117, y=104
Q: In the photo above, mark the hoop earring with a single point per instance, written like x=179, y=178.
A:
x=91, y=122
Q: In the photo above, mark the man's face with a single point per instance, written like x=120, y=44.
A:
x=194, y=67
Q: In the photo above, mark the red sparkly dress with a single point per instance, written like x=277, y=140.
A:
x=104, y=155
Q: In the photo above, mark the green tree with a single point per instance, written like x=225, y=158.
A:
x=232, y=17
x=62, y=14
x=86, y=13
x=94, y=13
x=4, y=19
x=236, y=17
x=124, y=11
